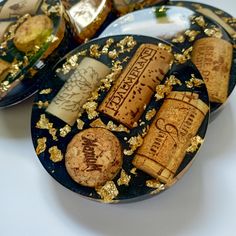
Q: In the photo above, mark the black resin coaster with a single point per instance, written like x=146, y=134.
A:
x=22, y=80
x=176, y=24
x=51, y=135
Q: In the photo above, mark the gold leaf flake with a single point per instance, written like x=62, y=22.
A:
x=200, y=21
x=133, y=171
x=134, y=143
x=187, y=52
x=192, y=34
x=55, y=154
x=51, y=9
x=113, y=54
x=194, y=82
x=195, y=143
x=164, y=89
x=94, y=51
x=172, y=80
x=80, y=124
x=44, y=123
x=213, y=32
x=42, y=104
x=124, y=178
x=41, y=147
x=116, y=128
x=128, y=152
x=150, y=114
x=178, y=39
x=153, y=183
x=180, y=58
x=65, y=130
x=45, y=91
x=90, y=107
x=108, y=192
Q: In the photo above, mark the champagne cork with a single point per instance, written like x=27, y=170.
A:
x=13, y=8
x=170, y=134
x=213, y=58
x=77, y=89
x=134, y=88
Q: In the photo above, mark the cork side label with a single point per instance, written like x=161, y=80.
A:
x=213, y=58
x=77, y=89
x=135, y=86
x=170, y=134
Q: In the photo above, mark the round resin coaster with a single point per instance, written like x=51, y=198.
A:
x=187, y=29
x=121, y=118
x=24, y=48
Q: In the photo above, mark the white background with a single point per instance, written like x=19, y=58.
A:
x=202, y=203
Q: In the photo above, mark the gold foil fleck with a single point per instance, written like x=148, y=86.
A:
x=44, y=123
x=94, y=51
x=164, y=89
x=180, y=58
x=128, y=152
x=192, y=34
x=133, y=171
x=55, y=154
x=106, y=47
x=158, y=190
x=124, y=178
x=213, y=32
x=187, y=52
x=65, y=130
x=90, y=108
x=41, y=145
x=45, y=91
x=70, y=63
x=113, y=54
x=4, y=86
x=150, y=114
x=134, y=143
x=126, y=44
x=195, y=143
x=80, y=124
x=153, y=183
x=145, y=131
x=116, y=128
x=200, y=21
x=108, y=192
x=178, y=39
x=42, y=105
x=15, y=67
x=194, y=82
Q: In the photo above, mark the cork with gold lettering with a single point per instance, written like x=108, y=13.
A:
x=213, y=58
x=165, y=145
x=134, y=88
x=93, y=157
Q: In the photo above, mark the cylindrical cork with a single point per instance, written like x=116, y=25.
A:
x=165, y=145
x=134, y=88
x=213, y=58
x=77, y=89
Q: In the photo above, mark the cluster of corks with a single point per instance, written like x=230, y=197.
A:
x=95, y=155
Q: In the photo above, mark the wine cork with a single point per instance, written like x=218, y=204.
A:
x=3, y=28
x=13, y=8
x=4, y=69
x=213, y=58
x=170, y=134
x=209, y=13
x=93, y=157
x=134, y=88
x=77, y=89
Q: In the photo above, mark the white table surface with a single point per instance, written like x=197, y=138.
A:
x=202, y=203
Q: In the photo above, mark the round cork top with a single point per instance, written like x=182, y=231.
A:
x=93, y=157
